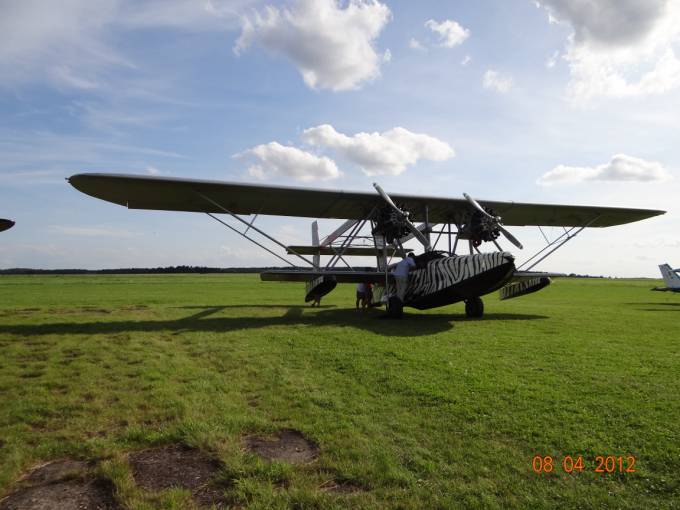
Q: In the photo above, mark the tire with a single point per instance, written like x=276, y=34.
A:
x=395, y=308
x=474, y=308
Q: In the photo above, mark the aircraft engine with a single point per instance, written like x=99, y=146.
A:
x=391, y=224
x=483, y=227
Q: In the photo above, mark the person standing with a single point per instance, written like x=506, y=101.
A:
x=368, y=295
x=400, y=274
x=361, y=295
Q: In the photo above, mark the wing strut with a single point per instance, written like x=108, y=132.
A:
x=557, y=243
x=249, y=239
x=250, y=225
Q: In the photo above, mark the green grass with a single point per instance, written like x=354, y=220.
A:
x=433, y=411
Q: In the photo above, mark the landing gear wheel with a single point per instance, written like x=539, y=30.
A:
x=395, y=308
x=474, y=308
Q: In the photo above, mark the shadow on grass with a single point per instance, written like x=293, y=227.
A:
x=207, y=310
x=654, y=304
x=411, y=325
x=670, y=307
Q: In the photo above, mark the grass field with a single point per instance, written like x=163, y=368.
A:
x=433, y=411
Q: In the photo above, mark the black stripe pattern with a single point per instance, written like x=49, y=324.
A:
x=523, y=287
x=442, y=273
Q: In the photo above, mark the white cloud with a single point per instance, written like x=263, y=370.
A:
x=620, y=168
x=387, y=153
x=332, y=47
x=185, y=14
x=276, y=160
x=152, y=170
x=619, y=48
x=290, y=234
x=387, y=56
x=496, y=81
x=415, y=44
x=552, y=61
x=450, y=33
x=51, y=40
x=72, y=43
x=466, y=60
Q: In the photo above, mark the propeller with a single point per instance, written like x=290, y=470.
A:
x=404, y=217
x=408, y=237
x=495, y=219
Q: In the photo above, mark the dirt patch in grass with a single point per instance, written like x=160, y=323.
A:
x=57, y=470
x=73, y=494
x=22, y=311
x=178, y=465
x=288, y=445
x=78, y=311
x=61, y=485
x=335, y=483
x=134, y=307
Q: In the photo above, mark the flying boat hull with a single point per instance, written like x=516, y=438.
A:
x=448, y=280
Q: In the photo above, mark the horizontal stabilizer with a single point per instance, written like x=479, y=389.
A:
x=529, y=275
x=292, y=275
x=523, y=287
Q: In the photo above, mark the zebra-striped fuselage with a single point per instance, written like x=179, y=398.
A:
x=450, y=279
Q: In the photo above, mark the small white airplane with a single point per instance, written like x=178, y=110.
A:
x=671, y=277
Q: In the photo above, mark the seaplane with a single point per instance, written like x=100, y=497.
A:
x=671, y=277
x=376, y=225
x=5, y=224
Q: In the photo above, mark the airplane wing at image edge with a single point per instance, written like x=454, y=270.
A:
x=5, y=224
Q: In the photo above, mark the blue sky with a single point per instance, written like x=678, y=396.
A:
x=560, y=101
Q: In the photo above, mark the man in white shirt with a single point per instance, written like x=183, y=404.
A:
x=400, y=274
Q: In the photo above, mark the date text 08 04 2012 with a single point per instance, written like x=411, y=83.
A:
x=605, y=464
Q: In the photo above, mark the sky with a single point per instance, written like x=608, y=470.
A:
x=549, y=101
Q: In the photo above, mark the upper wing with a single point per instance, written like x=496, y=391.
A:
x=144, y=192
x=5, y=224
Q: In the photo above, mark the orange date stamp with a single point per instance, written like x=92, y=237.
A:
x=604, y=464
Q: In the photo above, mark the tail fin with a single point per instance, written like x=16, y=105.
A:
x=670, y=276
x=315, y=242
